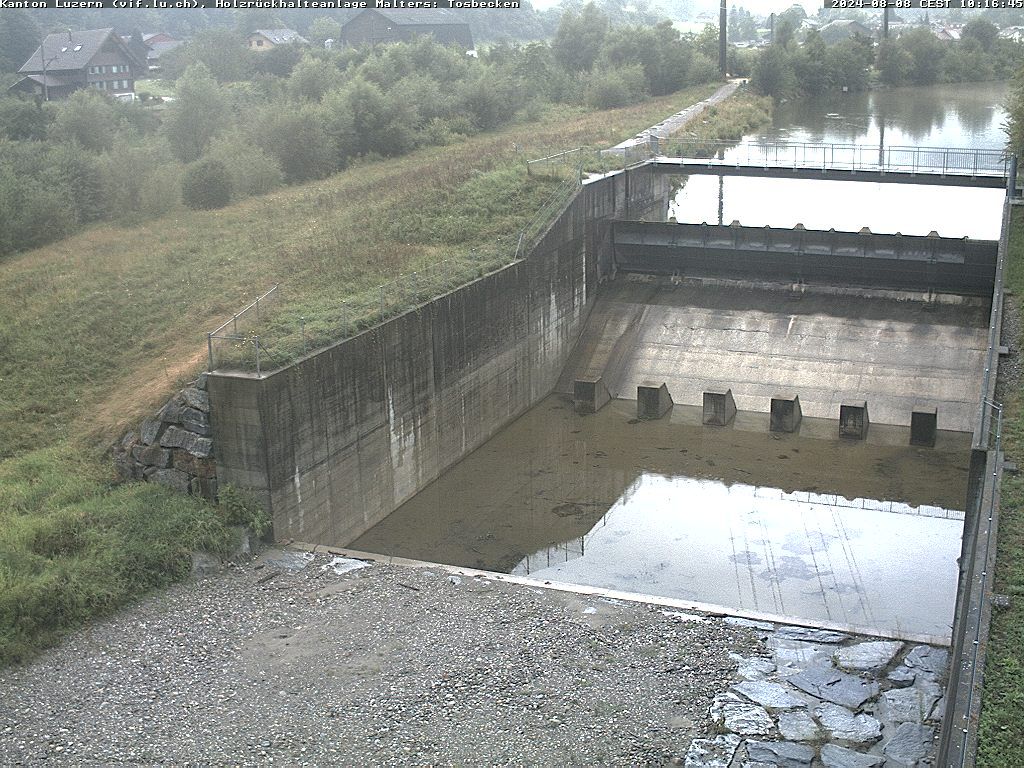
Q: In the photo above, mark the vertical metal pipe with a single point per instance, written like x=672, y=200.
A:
x=209, y=352
x=723, y=22
x=256, y=343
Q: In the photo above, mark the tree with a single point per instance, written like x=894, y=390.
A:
x=250, y=168
x=87, y=118
x=773, y=72
x=23, y=119
x=323, y=28
x=206, y=185
x=19, y=38
x=312, y=78
x=982, y=30
x=196, y=115
x=893, y=62
x=1015, y=109
x=297, y=139
x=579, y=38
x=222, y=51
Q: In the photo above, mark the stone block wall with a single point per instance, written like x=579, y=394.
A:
x=174, y=447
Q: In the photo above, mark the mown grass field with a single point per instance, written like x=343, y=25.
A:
x=1002, y=715
x=96, y=331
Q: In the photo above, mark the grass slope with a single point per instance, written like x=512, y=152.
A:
x=1002, y=714
x=97, y=330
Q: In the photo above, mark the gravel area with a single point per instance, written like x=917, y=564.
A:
x=285, y=660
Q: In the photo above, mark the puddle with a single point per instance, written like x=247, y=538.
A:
x=803, y=525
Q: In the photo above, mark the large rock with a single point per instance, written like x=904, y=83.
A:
x=842, y=725
x=781, y=753
x=172, y=478
x=793, y=656
x=873, y=655
x=196, y=421
x=171, y=412
x=151, y=430
x=152, y=455
x=176, y=437
x=928, y=659
x=712, y=753
x=810, y=635
x=797, y=725
x=910, y=743
x=902, y=676
x=768, y=694
x=201, y=468
x=834, y=686
x=833, y=756
x=196, y=398
x=909, y=705
x=753, y=667
x=740, y=716
x=200, y=383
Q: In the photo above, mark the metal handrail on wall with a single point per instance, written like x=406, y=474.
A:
x=964, y=161
x=251, y=310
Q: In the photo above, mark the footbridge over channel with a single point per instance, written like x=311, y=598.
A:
x=944, y=166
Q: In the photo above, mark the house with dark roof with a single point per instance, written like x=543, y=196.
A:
x=374, y=26
x=265, y=39
x=843, y=29
x=90, y=58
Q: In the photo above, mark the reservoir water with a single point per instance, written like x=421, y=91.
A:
x=962, y=116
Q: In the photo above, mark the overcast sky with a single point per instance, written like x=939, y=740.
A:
x=757, y=7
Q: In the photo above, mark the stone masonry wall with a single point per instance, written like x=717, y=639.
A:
x=175, y=447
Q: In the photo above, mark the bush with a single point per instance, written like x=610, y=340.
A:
x=611, y=88
x=206, y=185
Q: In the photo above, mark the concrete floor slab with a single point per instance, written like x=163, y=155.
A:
x=826, y=349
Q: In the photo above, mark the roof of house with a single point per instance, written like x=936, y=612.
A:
x=281, y=36
x=420, y=17
x=156, y=50
x=69, y=50
x=50, y=81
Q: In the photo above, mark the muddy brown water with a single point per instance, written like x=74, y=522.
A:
x=803, y=525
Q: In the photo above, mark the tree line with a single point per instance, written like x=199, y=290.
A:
x=240, y=125
x=916, y=57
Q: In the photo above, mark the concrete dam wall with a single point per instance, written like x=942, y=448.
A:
x=337, y=441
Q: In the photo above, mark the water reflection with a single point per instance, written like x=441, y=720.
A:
x=817, y=556
x=936, y=116
x=556, y=491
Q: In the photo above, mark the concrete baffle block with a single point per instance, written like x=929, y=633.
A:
x=719, y=408
x=924, y=422
x=589, y=395
x=652, y=401
x=785, y=413
x=853, y=420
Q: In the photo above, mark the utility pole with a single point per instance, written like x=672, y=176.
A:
x=723, y=21
x=885, y=23
x=42, y=58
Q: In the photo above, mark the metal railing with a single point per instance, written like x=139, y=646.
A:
x=236, y=337
x=962, y=161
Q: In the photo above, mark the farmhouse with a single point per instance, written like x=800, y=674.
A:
x=69, y=61
x=385, y=25
x=265, y=39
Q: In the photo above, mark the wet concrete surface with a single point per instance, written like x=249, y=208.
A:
x=803, y=525
x=828, y=348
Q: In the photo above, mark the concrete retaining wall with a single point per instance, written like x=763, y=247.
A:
x=335, y=442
